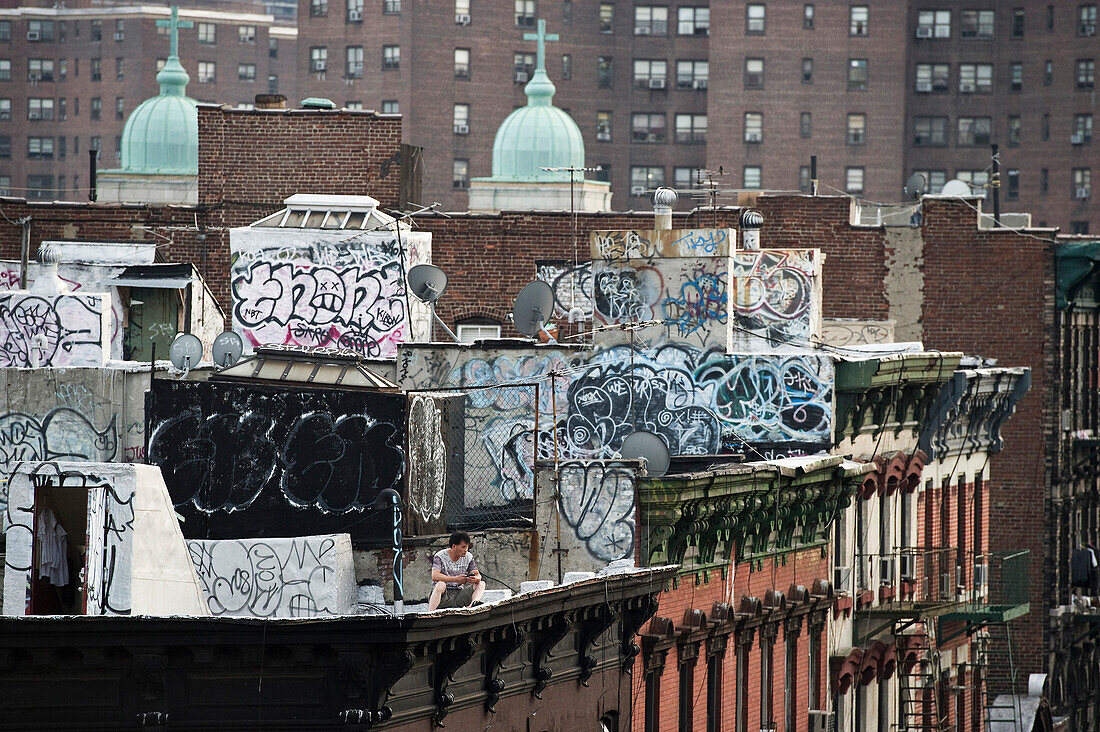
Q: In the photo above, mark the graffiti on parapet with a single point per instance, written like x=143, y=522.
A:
x=626, y=294
x=597, y=501
x=62, y=330
x=774, y=293
x=667, y=243
x=612, y=245
x=572, y=286
x=857, y=332
x=701, y=299
x=427, y=458
x=267, y=461
x=278, y=578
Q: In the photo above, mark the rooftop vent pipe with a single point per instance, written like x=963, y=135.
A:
x=751, y=221
x=47, y=282
x=664, y=200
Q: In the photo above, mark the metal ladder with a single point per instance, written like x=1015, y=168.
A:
x=920, y=698
x=998, y=673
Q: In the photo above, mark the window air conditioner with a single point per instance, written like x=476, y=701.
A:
x=355, y=16
x=315, y=67
x=1077, y=138
x=33, y=35
x=820, y=720
x=905, y=566
x=842, y=579
x=119, y=36
x=642, y=30
x=462, y=129
x=924, y=86
x=34, y=115
x=1088, y=29
x=637, y=190
x=700, y=84
x=966, y=87
x=1082, y=193
x=34, y=76
x=752, y=137
x=656, y=83
x=520, y=77
x=462, y=19
x=603, y=136
x=5, y=114
x=924, y=31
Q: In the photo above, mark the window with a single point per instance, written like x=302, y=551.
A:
x=273, y=47
x=523, y=65
x=391, y=7
x=1082, y=181
x=651, y=20
x=857, y=74
x=790, y=673
x=750, y=177
x=566, y=66
x=692, y=74
x=1082, y=128
x=857, y=129
x=567, y=12
x=650, y=74
x=804, y=183
x=603, y=126
x=471, y=332
x=118, y=69
x=606, y=22
x=714, y=693
x=1044, y=181
x=754, y=127
x=975, y=78
x=1050, y=17
x=40, y=187
x=604, y=68
x=97, y=69
x=974, y=131
x=858, y=17
x=355, y=106
x=1012, y=187
x=766, y=671
x=5, y=146
x=39, y=30
x=754, y=19
x=693, y=21
x=1048, y=72
x=685, y=689
x=460, y=174
x=391, y=58
x=318, y=59
x=63, y=68
x=5, y=31
x=120, y=108
x=5, y=185
x=462, y=63
x=1014, y=131
x=40, y=148
x=1044, y=127
x=683, y=177
x=97, y=30
x=934, y=24
x=353, y=62
x=5, y=69
x=691, y=128
x=979, y=186
x=96, y=108
x=853, y=181
x=61, y=147
x=37, y=108
x=1086, y=20
x=1079, y=227
x=5, y=109
x=1016, y=76
x=246, y=34
x=929, y=131
x=40, y=69
x=462, y=119
x=754, y=73
x=648, y=127
x=1017, y=22
x=808, y=17
x=976, y=24
x=933, y=183
x=933, y=77
x=207, y=72
x=805, y=124
x=525, y=13
x=1085, y=71
x=807, y=71
x=246, y=72
x=120, y=30
x=645, y=178
x=390, y=106
x=318, y=8
x=462, y=12
x=652, y=701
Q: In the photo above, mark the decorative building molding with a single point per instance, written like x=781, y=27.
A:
x=970, y=410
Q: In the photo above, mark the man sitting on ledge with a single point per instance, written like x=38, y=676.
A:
x=457, y=581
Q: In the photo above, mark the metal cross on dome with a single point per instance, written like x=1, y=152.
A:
x=542, y=37
x=174, y=24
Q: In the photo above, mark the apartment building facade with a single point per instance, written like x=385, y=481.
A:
x=70, y=77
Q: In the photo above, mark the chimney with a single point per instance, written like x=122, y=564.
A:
x=47, y=282
x=751, y=221
x=270, y=101
x=664, y=200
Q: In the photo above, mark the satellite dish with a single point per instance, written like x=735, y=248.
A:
x=647, y=446
x=533, y=307
x=958, y=188
x=427, y=282
x=227, y=349
x=185, y=352
x=914, y=187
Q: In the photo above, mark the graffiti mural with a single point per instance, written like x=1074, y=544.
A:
x=597, y=501
x=626, y=294
x=259, y=461
x=303, y=577
x=427, y=458
x=857, y=332
x=332, y=290
x=62, y=330
x=616, y=245
x=700, y=301
x=775, y=299
x=572, y=286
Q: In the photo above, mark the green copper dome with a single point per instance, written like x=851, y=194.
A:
x=538, y=135
x=162, y=134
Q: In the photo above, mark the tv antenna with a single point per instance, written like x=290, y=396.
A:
x=185, y=352
x=427, y=283
x=227, y=349
x=533, y=308
x=648, y=447
x=575, y=312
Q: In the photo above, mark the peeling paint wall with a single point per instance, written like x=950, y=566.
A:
x=904, y=281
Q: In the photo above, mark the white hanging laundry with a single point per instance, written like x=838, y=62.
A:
x=52, y=548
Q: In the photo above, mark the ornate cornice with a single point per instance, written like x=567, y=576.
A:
x=971, y=408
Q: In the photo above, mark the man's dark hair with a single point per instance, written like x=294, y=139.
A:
x=460, y=536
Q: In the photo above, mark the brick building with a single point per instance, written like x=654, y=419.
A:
x=69, y=77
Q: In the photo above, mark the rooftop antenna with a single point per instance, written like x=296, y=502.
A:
x=648, y=447
x=185, y=352
x=575, y=312
x=227, y=349
x=705, y=178
x=427, y=283
x=534, y=305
